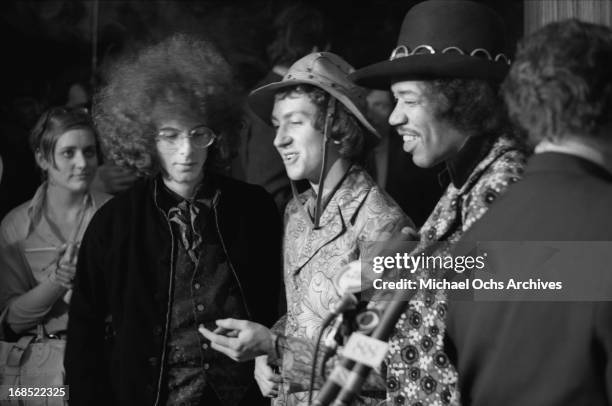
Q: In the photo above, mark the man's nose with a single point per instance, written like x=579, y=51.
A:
x=184, y=145
x=281, y=138
x=397, y=117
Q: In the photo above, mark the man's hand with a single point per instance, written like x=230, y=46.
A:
x=266, y=378
x=242, y=340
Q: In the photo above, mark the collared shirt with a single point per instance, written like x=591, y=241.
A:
x=28, y=252
x=585, y=148
x=460, y=168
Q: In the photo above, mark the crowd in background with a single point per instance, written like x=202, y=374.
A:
x=421, y=146
x=49, y=46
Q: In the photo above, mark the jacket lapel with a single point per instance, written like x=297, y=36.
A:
x=302, y=242
x=446, y=218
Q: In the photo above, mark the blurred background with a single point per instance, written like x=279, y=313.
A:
x=55, y=52
x=46, y=43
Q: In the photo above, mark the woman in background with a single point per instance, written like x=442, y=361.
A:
x=39, y=239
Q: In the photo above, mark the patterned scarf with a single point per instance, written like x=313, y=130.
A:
x=186, y=215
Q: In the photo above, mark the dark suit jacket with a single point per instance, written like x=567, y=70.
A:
x=540, y=353
x=126, y=269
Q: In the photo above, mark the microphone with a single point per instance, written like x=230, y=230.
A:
x=347, y=302
x=347, y=283
x=346, y=321
x=346, y=379
x=330, y=344
x=382, y=333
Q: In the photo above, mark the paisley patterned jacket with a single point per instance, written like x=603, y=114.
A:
x=419, y=372
x=358, y=212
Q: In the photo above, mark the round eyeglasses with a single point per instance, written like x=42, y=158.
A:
x=201, y=137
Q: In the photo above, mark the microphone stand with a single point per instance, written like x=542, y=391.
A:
x=349, y=386
x=345, y=392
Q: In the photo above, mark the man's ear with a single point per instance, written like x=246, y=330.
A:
x=41, y=161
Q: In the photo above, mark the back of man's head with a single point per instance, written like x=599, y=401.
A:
x=561, y=81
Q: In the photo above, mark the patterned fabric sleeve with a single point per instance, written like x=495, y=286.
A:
x=382, y=218
x=297, y=365
x=494, y=182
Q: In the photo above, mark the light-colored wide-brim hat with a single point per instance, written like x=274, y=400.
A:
x=324, y=70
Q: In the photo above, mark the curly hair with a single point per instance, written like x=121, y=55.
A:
x=180, y=71
x=472, y=106
x=346, y=130
x=561, y=80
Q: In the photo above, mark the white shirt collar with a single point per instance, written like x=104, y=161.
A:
x=591, y=149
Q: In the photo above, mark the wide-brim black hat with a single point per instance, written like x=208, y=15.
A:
x=443, y=39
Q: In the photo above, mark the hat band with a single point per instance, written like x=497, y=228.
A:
x=402, y=51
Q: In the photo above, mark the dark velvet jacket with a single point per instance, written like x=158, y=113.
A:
x=545, y=352
x=125, y=271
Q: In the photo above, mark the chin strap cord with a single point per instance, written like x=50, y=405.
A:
x=329, y=119
x=319, y=207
